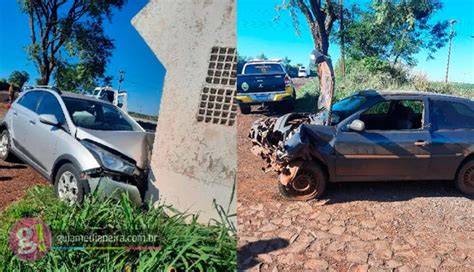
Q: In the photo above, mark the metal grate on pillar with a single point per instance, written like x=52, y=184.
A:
x=218, y=104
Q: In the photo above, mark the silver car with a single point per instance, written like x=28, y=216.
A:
x=78, y=143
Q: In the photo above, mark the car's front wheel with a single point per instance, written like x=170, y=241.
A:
x=465, y=178
x=306, y=180
x=68, y=185
x=5, y=152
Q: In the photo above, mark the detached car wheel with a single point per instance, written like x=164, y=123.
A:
x=465, y=178
x=244, y=109
x=68, y=185
x=307, y=180
x=5, y=152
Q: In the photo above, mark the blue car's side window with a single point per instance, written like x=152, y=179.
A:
x=451, y=115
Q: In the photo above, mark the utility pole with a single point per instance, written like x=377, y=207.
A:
x=451, y=35
x=341, y=30
x=121, y=79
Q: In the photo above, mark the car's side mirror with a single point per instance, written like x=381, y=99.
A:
x=357, y=125
x=49, y=119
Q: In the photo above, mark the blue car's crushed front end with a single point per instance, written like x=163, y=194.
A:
x=278, y=141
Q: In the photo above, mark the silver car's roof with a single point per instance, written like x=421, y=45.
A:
x=70, y=95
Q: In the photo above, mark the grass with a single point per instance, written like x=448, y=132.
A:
x=185, y=244
x=143, y=116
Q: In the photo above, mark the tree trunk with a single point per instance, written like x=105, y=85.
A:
x=45, y=75
x=320, y=40
x=341, y=30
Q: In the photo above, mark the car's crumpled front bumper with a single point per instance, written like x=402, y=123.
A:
x=113, y=184
x=108, y=187
x=278, y=140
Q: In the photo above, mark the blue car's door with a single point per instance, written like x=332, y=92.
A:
x=452, y=134
x=394, y=146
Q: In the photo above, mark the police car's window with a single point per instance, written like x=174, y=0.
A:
x=452, y=115
x=266, y=68
x=30, y=100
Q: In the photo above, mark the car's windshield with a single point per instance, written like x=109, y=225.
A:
x=263, y=68
x=98, y=115
x=348, y=106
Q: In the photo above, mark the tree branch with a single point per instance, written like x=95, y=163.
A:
x=305, y=10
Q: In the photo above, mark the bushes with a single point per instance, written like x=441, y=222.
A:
x=4, y=85
x=185, y=244
x=371, y=73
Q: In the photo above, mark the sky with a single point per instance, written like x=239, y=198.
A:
x=258, y=32
x=144, y=74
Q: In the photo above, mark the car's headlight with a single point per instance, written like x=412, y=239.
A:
x=108, y=160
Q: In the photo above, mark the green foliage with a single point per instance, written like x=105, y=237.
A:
x=371, y=73
x=4, y=85
x=185, y=244
x=18, y=78
x=395, y=30
x=143, y=116
x=68, y=40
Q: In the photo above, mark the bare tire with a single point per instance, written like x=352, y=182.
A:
x=308, y=183
x=465, y=178
x=68, y=186
x=244, y=109
x=5, y=151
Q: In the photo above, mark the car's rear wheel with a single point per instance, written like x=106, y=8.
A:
x=68, y=185
x=244, y=109
x=5, y=152
x=465, y=178
x=306, y=180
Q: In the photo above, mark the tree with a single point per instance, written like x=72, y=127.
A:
x=319, y=16
x=394, y=30
x=261, y=56
x=68, y=36
x=18, y=79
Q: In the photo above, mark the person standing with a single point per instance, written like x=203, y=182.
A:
x=11, y=94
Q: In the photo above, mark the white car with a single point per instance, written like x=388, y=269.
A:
x=302, y=72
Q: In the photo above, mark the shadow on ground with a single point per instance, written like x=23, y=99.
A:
x=389, y=191
x=247, y=254
x=15, y=166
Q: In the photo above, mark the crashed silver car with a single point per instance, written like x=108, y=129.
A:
x=78, y=143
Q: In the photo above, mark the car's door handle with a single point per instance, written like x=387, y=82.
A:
x=421, y=143
x=32, y=122
x=15, y=113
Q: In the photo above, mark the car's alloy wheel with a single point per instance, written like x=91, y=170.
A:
x=309, y=182
x=469, y=177
x=68, y=188
x=465, y=178
x=4, y=145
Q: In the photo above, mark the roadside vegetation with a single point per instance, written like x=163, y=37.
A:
x=185, y=244
x=378, y=41
x=363, y=75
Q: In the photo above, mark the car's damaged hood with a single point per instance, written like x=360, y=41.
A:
x=136, y=145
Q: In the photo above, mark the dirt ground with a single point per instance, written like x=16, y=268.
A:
x=15, y=177
x=388, y=226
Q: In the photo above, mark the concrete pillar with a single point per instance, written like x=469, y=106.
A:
x=194, y=157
